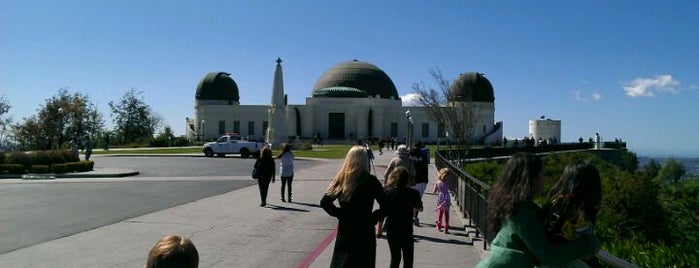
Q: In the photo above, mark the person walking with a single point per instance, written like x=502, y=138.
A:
x=265, y=165
x=443, y=199
x=521, y=237
x=286, y=170
x=402, y=160
x=421, y=158
x=355, y=189
x=401, y=202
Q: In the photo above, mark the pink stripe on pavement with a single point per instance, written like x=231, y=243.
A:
x=311, y=257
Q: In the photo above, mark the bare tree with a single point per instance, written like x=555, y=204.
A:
x=458, y=117
x=5, y=121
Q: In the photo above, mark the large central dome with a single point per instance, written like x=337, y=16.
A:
x=355, y=79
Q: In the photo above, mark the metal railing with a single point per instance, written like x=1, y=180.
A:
x=470, y=194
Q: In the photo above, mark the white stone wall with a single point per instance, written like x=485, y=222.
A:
x=545, y=129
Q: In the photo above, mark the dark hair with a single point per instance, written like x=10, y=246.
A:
x=515, y=186
x=285, y=149
x=578, y=190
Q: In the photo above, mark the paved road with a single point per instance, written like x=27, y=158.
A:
x=33, y=212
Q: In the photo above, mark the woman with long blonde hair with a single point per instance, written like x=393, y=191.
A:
x=355, y=189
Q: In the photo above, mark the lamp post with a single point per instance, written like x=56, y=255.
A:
x=409, y=139
x=202, y=130
x=59, y=128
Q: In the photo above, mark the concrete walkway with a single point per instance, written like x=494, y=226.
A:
x=230, y=232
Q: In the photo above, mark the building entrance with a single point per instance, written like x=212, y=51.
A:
x=336, y=125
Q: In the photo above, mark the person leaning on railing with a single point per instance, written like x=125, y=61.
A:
x=521, y=238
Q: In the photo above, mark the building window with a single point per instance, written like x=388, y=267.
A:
x=441, y=131
x=265, y=125
x=425, y=130
x=236, y=127
x=251, y=128
x=394, y=129
x=221, y=127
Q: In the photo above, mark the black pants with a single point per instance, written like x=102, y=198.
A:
x=263, y=183
x=287, y=181
x=401, y=242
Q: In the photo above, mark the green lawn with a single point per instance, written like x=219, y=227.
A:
x=330, y=151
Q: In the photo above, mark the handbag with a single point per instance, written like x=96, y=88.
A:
x=256, y=172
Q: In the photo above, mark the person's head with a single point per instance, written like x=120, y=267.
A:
x=520, y=181
x=580, y=185
x=443, y=174
x=356, y=163
x=286, y=148
x=402, y=149
x=399, y=177
x=173, y=251
x=266, y=152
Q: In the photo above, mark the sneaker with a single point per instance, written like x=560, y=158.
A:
x=416, y=221
x=284, y=200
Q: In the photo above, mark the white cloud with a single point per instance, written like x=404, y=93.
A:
x=410, y=100
x=648, y=87
x=579, y=97
x=596, y=96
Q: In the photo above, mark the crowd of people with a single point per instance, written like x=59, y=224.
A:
x=559, y=234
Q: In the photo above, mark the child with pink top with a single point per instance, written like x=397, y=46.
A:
x=443, y=199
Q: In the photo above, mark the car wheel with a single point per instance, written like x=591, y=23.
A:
x=244, y=153
x=208, y=152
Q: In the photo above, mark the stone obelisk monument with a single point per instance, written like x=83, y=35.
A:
x=276, y=131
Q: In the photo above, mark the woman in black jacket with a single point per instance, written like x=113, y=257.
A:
x=265, y=165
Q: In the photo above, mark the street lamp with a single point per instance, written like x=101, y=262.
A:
x=409, y=139
x=202, y=129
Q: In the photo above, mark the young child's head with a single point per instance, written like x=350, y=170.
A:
x=579, y=185
x=443, y=174
x=173, y=251
x=399, y=177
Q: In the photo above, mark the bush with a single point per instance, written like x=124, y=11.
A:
x=304, y=145
x=12, y=169
x=59, y=168
x=19, y=158
x=39, y=169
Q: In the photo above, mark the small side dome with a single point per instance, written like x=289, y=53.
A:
x=217, y=86
x=355, y=75
x=472, y=87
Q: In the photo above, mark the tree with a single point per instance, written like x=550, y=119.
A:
x=5, y=121
x=671, y=172
x=651, y=169
x=458, y=116
x=63, y=117
x=133, y=119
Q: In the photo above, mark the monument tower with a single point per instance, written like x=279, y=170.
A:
x=276, y=131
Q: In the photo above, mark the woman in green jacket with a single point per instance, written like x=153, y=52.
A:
x=521, y=238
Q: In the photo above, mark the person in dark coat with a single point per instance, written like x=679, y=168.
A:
x=355, y=189
x=265, y=164
x=421, y=159
x=401, y=201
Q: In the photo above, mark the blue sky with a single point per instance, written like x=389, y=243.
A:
x=625, y=69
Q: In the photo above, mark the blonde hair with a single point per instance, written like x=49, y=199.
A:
x=345, y=182
x=173, y=251
x=443, y=173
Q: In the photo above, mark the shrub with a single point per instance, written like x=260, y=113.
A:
x=39, y=169
x=304, y=145
x=19, y=158
x=59, y=168
x=12, y=168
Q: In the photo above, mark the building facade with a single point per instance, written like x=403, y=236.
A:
x=351, y=100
